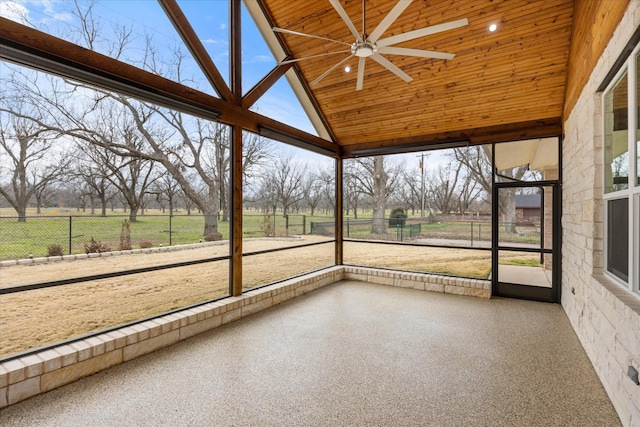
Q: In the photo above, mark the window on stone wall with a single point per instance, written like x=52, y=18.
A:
x=622, y=175
x=616, y=142
x=618, y=247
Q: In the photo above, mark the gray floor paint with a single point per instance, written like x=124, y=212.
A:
x=351, y=354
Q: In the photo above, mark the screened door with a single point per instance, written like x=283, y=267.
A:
x=526, y=262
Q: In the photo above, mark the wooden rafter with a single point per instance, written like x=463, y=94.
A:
x=35, y=49
x=263, y=86
x=190, y=38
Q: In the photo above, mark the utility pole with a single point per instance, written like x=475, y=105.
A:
x=421, y=184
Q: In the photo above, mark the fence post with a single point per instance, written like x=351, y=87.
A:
x=348, y=230
x=170, y=230
x=471, y=233
x=304, y=225
x=286, y=224
x=70, y=234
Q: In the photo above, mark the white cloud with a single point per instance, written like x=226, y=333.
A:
x=223, y=27
x=21, y=11
x=14, y=11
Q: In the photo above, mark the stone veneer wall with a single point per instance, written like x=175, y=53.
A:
x=28, y=376
x=605, y=316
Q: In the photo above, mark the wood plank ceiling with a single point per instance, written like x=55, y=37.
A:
x=506, y=84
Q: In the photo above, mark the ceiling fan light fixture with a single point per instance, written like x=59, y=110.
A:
x=363, y=49
x=374, y=47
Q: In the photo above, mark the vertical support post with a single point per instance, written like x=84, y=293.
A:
x=70, y=233
x=543, y=194
x=421, y=185
x=339, y=214
x=304, y=225
x=170, y=230
x=495, y=212
x=235, y=229
x=286, y=224
x=235, y=225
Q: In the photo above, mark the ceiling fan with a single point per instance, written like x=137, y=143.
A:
x=372, y=46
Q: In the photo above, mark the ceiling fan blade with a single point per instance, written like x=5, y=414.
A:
x=323, y=75
x=389, y=19
x=360, y=73
x=343, y=14
x=284, y=30
x=433, y=29
x=288, y=61
x=389, y=66
x=390, y=50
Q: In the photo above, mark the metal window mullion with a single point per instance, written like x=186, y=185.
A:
x=631, y=148
x=634, y=263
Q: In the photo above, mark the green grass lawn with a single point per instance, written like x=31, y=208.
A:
x=69, y=228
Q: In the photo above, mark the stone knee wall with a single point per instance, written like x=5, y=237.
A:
x=46, y=370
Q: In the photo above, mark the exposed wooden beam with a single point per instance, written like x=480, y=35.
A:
x=35, y=49
x=236, y=211
x=235, y=53
x=502, y=133
x=191, y=39
x=263, y=86
x=235, y=50
x=339, y=213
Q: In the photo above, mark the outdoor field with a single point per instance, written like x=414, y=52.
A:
x=40, y=317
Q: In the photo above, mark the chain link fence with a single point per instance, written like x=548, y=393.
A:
x=434, y=230
x=41, y=236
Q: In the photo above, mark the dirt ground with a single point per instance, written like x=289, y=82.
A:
x=40, y=317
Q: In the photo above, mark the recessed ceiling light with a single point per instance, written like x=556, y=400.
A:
x=347, y=69
x=493, y=27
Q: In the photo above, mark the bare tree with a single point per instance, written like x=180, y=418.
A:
x=284, y=181
x=442, y=184
x=350, y=188
x=327, y=180
x=468, y=191
x=410, y=189
x=312, y=191
x=478, y=162
x=372, y=177
x=44, y=194
x=166, y=188
x=29, y=163
x=92, y=168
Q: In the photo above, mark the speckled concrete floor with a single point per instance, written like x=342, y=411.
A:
x=351, y=354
